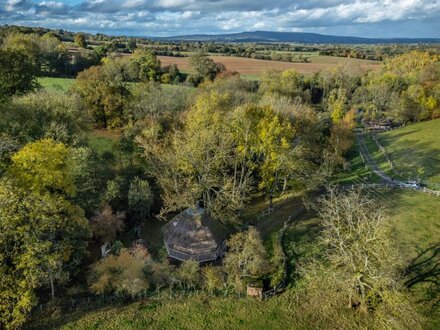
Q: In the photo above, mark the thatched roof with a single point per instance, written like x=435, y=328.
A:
x=193, y=235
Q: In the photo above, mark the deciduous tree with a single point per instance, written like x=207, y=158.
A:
x=122, y=274
x=80, y=40
x=246, y=259
x=44, y=166
x=106, y=225
x=17, y=73
x=42, y=242
x=104, y=96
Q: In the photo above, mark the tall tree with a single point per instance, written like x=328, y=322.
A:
x=221, y=153
x=17, y=73
x=191, y=164
x=140, y=199
x=45, y=114
x=203, y=68
x=44, y=166
x=246, y=260
x=104, y=95
x=359, y=275
x=288, y=83
x=80, y=40
x=106, y=225
x=148, y=65
x=42, y=243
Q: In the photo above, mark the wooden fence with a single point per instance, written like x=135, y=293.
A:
x=388, y=186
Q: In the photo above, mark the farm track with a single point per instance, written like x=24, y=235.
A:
x=371, y=163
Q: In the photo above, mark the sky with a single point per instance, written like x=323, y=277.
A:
x=368, y=18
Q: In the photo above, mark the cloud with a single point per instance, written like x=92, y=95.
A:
x=16, y=5
x=170, y=17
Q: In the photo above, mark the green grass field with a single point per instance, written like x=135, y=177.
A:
x=63, y=84
x=416, y=147
x=57, y=84
x=412, y=215
x=195, y=313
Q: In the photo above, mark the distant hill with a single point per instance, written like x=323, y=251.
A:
x=298, y=37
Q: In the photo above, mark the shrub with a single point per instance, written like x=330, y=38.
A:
x=123, y=274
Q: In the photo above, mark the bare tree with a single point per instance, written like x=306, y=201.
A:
x=359, y=276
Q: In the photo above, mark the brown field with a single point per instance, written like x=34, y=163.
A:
x=253, y=67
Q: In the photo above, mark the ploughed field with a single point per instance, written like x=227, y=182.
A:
x=254, y=67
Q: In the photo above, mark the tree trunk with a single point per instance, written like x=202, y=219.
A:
x=285, y=184
x=52, y=287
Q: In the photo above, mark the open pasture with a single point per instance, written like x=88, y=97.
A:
x=415, y=150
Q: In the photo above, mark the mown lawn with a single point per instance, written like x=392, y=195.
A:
x=416, y=147
x=55, y=84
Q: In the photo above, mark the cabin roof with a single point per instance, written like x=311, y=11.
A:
x=194, y=235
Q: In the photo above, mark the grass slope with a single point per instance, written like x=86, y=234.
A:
x=193, y=313
x=416, y=146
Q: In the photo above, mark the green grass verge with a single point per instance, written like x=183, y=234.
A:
x=378, y=156
x=63, y=84
x=254, y=77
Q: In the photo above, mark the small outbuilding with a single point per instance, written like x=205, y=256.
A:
x=194, y=235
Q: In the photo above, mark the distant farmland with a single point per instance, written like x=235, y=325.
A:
x=253, y=67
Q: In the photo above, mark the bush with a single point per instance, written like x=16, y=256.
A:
x=246, y=260
x=188, y=274
x=123, y=274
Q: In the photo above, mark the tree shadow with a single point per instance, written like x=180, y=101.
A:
x=417, y=154
x=425, y=270
x=396, y=135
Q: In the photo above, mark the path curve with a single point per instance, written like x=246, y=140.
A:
x=372, y=164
